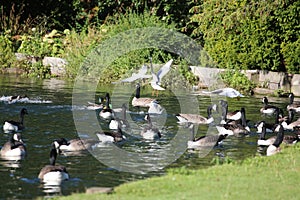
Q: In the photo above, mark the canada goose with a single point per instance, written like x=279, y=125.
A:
x=14, y=148
x=235, y=115
x=156, y=77
x=289, y=125
x=293, y=105
x=11, y=125
x=270, y=127
x=239, y=129
x=53, y=174
x=197, y=119
x=95, y=106
x=106, y=112
x=137, y=101
x=227, y=92
x=140, y=75
x=275, y=147
x=267, y=109
x=204, y=141
x=17, y=97
x=287, y=139
x=111, y=136
x=74, y=144
x=115, y=120
x=149, y=132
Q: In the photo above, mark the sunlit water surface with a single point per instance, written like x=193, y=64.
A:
x=50, y=117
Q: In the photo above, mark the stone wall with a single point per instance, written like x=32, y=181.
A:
x=266, y=80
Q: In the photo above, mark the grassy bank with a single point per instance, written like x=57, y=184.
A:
x=260, y=177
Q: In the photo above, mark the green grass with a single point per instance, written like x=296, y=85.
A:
x=273, y=177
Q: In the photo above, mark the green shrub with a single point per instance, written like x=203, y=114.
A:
x=7, y=56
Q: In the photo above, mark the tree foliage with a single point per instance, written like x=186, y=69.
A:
x=250, y=34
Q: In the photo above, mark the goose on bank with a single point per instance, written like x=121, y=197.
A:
x=287, y=139
x=114, y=122
x=204, y=141
x=15, y=147
x=275, y=147
x=11, y=125
x=137, y=101
x=270, y=127
x=293, y=105
x=196, y=118
x=289, y=124
x=53, y=174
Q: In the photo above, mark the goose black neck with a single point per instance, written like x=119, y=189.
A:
x=277, y=116
x=192, y=131
x=53, y=155
x=291, y=116
x=279, y=137
x=263, y=133
x=291, y=98
x=138, y=90
x=243, y=117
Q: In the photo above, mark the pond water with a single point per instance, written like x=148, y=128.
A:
x=51, y=117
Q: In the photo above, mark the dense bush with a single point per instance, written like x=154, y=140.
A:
x=251, y=34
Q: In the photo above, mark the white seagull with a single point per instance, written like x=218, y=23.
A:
x=156, y=77
x=140, y=75
x=228, y=92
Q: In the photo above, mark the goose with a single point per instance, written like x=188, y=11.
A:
x=115, y=120
x=95, y=106
x=149, y=132
x=11, y=125
x=14, y=148
x=270, y=127
x=76, y=144
x=235, y=115
x=17, y=98
x=287, y=139
x=156, y=77
x=140, y=75
x=137, y=101
x=293, y=105
x=204, y=141
x=267, y=109
x=289, y=125
x=106, y=112
x=275, y=147
x=111, y=136
x=53, y=174
x=227, y=92
x=197, y=119
x=239, y=129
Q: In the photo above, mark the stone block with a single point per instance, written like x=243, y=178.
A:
x=57, y=65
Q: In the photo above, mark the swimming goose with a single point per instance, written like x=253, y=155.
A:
x=149, y=132
x=137, y=101
x=267, y=109
x=155, y=108
x=204, y=141
x=106, y=112
x=14, y=148
x=238, y=129
x=53, y=174
x=95, y=106
x=197, y=119
x=270, y=127
x=287, y=139
x=111, y=136
x=115, y=120
x=235, y=115
x=11, y=125
x=289, y=125
x=293, y=105
x=74, y=144
x=17, y=97
x=275, y=147
x=156, y=77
